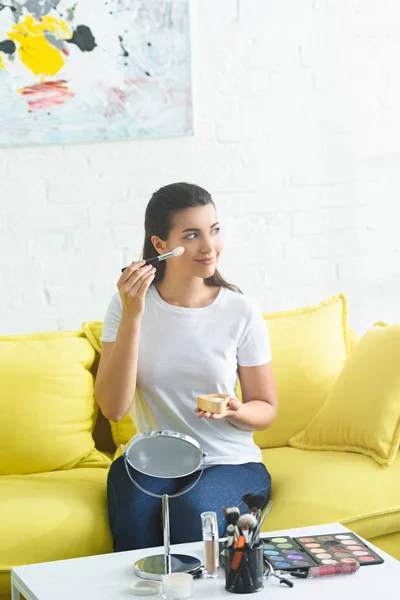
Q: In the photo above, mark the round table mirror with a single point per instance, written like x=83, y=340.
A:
x=165, y=454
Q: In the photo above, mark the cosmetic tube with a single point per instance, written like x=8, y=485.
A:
x=327, y=570
x=209, y=525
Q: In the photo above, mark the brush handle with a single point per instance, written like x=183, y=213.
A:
x=149, y=261
x=242, y=571
x=257, y=531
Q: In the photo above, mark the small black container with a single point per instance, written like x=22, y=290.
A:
x=249, y=576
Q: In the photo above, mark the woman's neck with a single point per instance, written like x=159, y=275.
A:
x=186, y=293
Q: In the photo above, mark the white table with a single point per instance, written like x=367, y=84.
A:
x=108, y=576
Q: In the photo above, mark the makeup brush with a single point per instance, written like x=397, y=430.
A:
x=232, y=516
x=257, y=531
x=238, y=562
x=230, y=532
x=256, y=503
x=247, y=524
x=155, y=259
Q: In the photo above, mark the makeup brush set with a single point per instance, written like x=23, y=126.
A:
x=243, y=553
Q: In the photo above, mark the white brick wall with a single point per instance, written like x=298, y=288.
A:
x=297, y=135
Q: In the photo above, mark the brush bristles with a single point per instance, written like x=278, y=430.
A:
x=232, y=515
x=247, y=522
x=178, y=251
x=255, y=501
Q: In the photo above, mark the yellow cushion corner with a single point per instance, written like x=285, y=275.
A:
x=362, y=412
x=122, y=431
x=47, y=407
x=309, y=347
x=354, y=338
x=93, y=330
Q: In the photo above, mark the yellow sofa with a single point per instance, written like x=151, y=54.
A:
x=56, y=448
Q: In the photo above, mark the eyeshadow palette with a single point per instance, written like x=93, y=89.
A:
x=342, y=548
x=288, y=554
x=285, y=554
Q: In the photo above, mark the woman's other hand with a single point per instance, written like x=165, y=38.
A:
x=231, y=409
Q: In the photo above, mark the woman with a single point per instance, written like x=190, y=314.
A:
x=172, y=334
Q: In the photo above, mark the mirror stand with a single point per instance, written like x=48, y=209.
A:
x=156, y=566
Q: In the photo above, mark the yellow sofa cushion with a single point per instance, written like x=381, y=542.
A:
x=312, y=488
x=362, y=412
x=388, y=543
x=93, y=330
x=122, y=431
x=52, y=516
x=47, y=407
x=354, y=338
x=309, y=347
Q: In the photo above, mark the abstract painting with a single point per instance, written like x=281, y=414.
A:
x=92, y=70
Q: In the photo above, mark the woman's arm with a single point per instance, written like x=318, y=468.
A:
x=116, y=376
x=260, y=402
x=259, y=405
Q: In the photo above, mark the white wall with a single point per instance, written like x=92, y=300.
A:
x=297, y=135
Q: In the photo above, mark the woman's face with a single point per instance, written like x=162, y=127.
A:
x=198, y=231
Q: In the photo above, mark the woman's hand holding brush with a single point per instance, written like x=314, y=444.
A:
x=132, y=286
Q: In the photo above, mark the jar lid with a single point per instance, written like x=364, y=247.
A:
x=145, y=588
x=177, y=585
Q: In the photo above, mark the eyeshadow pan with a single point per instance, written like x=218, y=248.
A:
x=301, y=563
x=366, y=559
x=337, y=548
x=325, y=538
x=342, y=554
x=271, y=552
x=283, y=565
x=272, y=558
x=312, y=545
x=354, y=548
x=316, y=550
x=360, y=553
x=343, y=537
x=329, y=562
x=349, y=560
x=324, y=555
x=284, y=546
x=279, y=540
x=269, y=547
x=295, y=557
x=347, y=542
x=309, y=539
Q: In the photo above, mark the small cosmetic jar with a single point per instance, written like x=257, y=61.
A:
x=177, y=586
x=213, y=403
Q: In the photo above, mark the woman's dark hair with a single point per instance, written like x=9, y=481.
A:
x=160, y=211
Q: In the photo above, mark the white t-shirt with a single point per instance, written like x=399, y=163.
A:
x=188, y=352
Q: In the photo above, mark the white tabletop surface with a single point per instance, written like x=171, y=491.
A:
x=108, y=577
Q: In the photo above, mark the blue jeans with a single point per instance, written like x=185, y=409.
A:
x=135, y=517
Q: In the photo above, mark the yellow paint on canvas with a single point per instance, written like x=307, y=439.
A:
x=34, y=50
